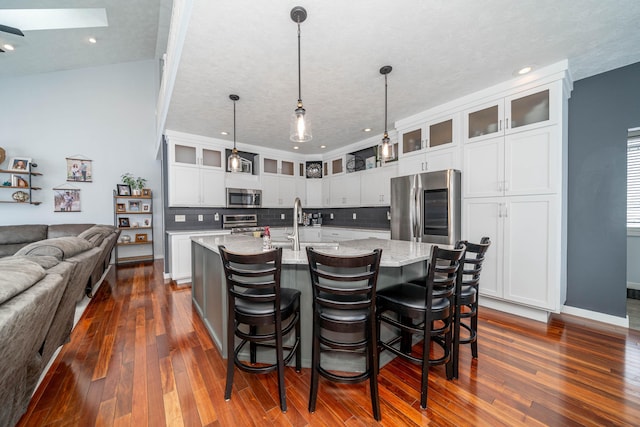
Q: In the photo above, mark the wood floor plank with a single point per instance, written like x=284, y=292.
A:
x=140, y=355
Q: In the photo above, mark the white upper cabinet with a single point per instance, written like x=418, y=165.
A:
x=517, y=164
x=524, y=110
x=196, y=173
x=345, y=190
x=375, y=185
x=431, y=147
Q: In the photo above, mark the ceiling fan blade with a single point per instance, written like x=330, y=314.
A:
x=11, y=30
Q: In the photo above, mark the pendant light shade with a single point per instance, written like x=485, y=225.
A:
x=300, y=126
x=235, y=164
x=386, y=150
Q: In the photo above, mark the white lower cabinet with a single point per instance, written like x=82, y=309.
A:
x=180, y=253
x=523, y=264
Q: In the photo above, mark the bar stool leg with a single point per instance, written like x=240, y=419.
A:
x=373, y=368
x=280, y=362
x=230, y=356
x=315, y=363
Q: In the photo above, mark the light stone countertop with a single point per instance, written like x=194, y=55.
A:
x=395, y=253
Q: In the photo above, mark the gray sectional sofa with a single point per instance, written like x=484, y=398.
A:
x=45, y=270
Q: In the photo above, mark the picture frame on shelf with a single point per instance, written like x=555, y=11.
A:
x=146, y=222
x=141, y=237
x=20, y=164
x=19, y=181
x=120, y=207
x=146, y=192
x=124, y=222
x=124, y=190
x=146, y=207
x=134, y=206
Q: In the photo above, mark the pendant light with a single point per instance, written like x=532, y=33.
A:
x=300, y=129
x=385, y=149
x=234, y=159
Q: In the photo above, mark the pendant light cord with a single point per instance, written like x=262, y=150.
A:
x=385, y=105
x=299, y=69
x=234, y=125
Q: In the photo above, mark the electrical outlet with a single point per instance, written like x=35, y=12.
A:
x=388, y=216
x=180, y=218
x=354, y=215
x=281, y=216
x=200, y=218
x=216, y=217
x=330, y=216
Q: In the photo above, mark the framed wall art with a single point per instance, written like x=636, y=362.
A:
x=79, y=169
x=66, y=200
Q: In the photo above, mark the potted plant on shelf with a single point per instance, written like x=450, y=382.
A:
x=136, y=184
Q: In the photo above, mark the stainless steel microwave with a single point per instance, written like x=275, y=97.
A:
x=244, y=198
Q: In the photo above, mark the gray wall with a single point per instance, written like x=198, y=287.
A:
x=601, y=110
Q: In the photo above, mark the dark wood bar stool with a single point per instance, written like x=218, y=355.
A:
x=344, y=293
x=467, y=298
x=260, y=313
x=426, y=309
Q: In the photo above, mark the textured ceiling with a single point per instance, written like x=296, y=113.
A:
x=439, y=50
x=137, y=31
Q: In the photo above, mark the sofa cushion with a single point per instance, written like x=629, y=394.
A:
x=96, y=234
x=63, y=230
x=46, y=262
x=14, y=237
x=16, y=275
x=59, y=247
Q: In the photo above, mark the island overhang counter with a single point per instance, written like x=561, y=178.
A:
x=401, y=261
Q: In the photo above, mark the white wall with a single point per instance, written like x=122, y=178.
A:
x=106, y=114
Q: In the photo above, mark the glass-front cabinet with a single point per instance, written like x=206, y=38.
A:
x=411, y=140
x=522, y=111
x=278, y=166
x=187, y=154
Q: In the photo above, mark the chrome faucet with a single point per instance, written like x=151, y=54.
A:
x=297, y=216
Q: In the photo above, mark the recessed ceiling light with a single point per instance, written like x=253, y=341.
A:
x=323, y=146
x=366, y=130
x=295, y=147
x=224, y=133
x=8, y=47
x=93, y=40
x=524, y=70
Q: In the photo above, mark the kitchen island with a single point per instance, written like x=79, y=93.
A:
x=401, y=261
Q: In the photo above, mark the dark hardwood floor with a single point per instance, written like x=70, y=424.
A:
x=140, y=356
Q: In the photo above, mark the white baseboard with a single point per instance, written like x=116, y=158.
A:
x=517, y=309
x=633, y=285
x=594, y=315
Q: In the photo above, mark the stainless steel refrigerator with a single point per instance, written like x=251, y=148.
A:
x=426, y=207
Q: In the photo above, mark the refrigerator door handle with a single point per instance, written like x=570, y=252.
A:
x=415, y=201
